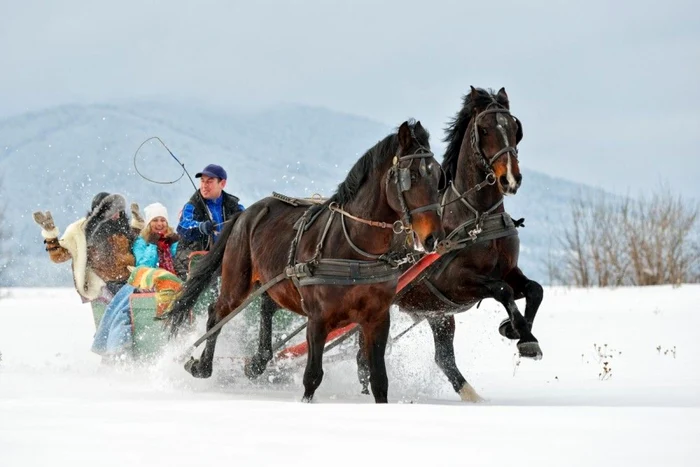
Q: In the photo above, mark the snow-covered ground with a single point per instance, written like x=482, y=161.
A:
x=60, y=406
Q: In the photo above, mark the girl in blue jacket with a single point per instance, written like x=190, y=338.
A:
x=155, y=246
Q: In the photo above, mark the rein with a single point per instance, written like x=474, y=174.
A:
x=396, y=226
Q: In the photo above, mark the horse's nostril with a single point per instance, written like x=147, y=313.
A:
x=503, y=180
x=430, y=242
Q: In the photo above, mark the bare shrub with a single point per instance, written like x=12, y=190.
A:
x=615, y=241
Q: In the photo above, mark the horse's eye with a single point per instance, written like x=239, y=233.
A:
x=484, y=131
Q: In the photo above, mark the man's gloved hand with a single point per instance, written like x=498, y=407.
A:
x=206, y=227
x=45, y=220
x=135, y=213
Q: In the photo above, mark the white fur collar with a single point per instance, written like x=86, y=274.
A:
x=87, y=283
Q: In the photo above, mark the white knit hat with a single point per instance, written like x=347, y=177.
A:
x=155, y=210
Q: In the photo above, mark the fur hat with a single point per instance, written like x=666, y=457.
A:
x=155, y=210
x=106, y=219
x=99, y=197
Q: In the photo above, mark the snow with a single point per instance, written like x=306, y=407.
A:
x=60, y=406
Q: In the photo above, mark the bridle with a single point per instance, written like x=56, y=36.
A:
x=401, y=176
x=485, y=162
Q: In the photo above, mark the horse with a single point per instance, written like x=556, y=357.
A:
x=481, y=167
x=340, y=268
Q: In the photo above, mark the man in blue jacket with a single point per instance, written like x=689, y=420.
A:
x=204, y=215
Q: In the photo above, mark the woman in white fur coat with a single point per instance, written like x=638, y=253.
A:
x=98, y=244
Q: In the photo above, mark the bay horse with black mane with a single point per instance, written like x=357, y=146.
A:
x=332, y=262
x=481, y=167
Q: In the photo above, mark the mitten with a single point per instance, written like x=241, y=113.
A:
x=45, y=220
x=137, y=221
x=153, y=237
x=206, y=227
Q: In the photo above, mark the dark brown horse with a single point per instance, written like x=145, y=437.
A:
x=481, y=167
x=339, y=265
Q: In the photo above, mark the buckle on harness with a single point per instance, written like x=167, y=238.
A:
x=409, y=258
x=476, y=230
x=299, y=270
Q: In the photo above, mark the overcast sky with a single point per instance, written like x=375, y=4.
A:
x=608, y=91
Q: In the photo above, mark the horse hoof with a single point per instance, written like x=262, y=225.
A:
x=469, y=394
x=365, y=391
x=307, y=399
x=507, y=330
x=253, y=369
x=530, y=350
x=193, y=367
x=189, y=364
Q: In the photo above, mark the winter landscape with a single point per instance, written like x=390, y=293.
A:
x=286, y=96
x=619, y=384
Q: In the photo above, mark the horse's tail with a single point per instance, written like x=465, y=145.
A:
x=202, y=275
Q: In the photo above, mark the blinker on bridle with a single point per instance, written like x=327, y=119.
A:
x=402, y=178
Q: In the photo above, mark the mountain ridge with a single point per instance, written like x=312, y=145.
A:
x=68, y=153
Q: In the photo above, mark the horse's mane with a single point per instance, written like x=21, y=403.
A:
x=375, y=157
x=457, y=128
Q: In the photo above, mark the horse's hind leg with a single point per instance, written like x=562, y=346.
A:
x=235, y=287
x=443, y=328
x=522, y=288
x=316, y=334
x=363, y=364
x=256, y=366
x=203, y=367
x=376, y=335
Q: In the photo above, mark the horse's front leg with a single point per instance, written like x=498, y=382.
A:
x=257, y=364
x=503, y=293
x=443, y=328
x=522, y=288
x=316, y=334
x=376, y=335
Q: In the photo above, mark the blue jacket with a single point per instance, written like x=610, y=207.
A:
x=193, y=214
x=191, y=218
x=146, y=254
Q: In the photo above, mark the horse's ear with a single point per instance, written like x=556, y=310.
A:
x=502, y=98
x=405, y=136
x=418, y=127
x=474, y=98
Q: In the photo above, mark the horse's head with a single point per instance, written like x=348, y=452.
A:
x=494, y=135
x=412, y=185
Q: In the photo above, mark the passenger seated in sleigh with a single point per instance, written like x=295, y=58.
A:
x=111, y=259
x=153, y=252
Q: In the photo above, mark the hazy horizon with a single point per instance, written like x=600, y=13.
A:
x=606, y=92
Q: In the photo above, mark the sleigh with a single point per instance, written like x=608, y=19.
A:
x=148, y=330
x=149, y=335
